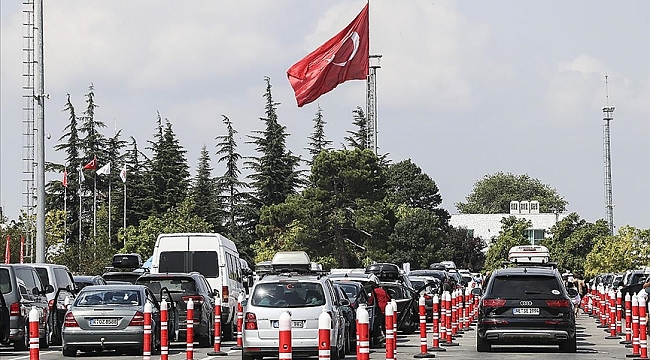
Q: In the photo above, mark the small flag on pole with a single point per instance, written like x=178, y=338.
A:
x=8, y=251
x=123, y=174
x=65, y=178
x=104, y=170
x=92, y=165
x=81, y=176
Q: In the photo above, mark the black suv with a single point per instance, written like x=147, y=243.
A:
x=526, y=305
x=182, y=287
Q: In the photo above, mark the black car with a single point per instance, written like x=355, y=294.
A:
x=526, y=305
x=407, y=305
x=81, y=281
x=4, y=320
x=358, y=287
x=447, y=282
x=182, y=287
x=350, y=315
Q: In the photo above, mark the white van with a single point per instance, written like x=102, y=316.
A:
x=212, y=255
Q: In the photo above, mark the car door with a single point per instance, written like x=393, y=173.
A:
x=4, y=319
x=62, y=299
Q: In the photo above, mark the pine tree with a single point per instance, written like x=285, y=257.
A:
x=139, y=205
x=274, y=173
x=318, y=141
x=114, y=188
x=204, y=193
x=359, y=139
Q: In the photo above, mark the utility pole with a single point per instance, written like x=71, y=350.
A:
x=40, y=136
x=371, y=102
x=609, y=206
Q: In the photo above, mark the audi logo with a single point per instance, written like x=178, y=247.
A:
x=526, y=303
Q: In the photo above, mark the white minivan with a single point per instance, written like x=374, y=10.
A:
x=212, y=255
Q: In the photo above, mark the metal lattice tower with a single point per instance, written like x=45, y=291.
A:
x=28, y=146
x=609, y=206
x=371, y=102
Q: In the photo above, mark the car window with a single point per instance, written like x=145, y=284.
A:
x=283, y=294
x=174, y=285
x=27, y=276
x=61, y=277
x=43, y=275
x=108, y=297
x=5, y=281
x=206, y=263
x=529, y=286
x=172, y=261
x=351, y=290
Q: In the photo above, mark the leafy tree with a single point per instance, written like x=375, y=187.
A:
x=617, y=253
x=142, y=238
x=493, y=193
x=318, y=142
x=274, y=173
x=204, y=193
x=464, y=250
x=112, y=182
x=513, y=233
x=572, y=240
x=93, y=143
x=139, y=204
x=408, y=185
x=358, y=139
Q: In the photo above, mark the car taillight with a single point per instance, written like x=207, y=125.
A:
x=427, y=297
x=250, y=321
x=14, y=309
x=558, y=303
x=137, y=320
x=50, y=304
x=70, y=321
x=494, y=302
x=196, y=299
x=224, y=294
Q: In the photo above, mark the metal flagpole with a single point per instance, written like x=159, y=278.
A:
x=65, y=214
x=81, y=174
x=94, y=214
x=109, y=207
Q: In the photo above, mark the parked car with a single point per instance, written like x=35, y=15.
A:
x=183, y=287
x=4, y=320
x=81, y=281
x=428, y=286
x=350, y=315
x=292, y=287
x=110, y=317
x=446, y=281
x=407, y=305
x=59, y=276
x=22, y=290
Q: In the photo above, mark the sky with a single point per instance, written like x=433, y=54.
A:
x=465, y=89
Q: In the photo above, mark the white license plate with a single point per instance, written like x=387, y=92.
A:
x=103, y=322
x=525, y=311
x=294, y=324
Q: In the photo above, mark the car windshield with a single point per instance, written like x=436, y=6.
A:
x=529, y=286
x=351, y=290
x=108, y=297
x=288, y=294
x=5, y=283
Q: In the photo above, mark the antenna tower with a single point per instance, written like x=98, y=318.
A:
x=609, y=207
x=28, y=125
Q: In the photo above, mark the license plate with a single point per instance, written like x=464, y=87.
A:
x=294, y=324
x=525, y=311
x=103, y=322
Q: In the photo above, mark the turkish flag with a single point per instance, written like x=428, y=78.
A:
x=92, y=165
x=65, y=178
x=343, y=57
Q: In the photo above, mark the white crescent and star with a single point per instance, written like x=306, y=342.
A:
x=354, y=36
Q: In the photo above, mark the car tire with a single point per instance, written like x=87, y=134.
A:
x=23, y=344
x=72, y=352
x=569, y=346
x=483, y=345
x=245, y=356
x=334, y=353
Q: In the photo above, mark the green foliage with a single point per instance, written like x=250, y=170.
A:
x=464, y=250
x=204, y=194
x=408, y=185
x=630, y=249
x=358, y=139
x=513, y=233
x=318, y=142
x=417, y=238
x=493, y=193
x=142, y=238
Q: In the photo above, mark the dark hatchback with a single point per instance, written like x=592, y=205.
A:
x=526, y=305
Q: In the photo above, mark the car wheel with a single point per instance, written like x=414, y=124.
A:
x=44, y=342
x=334, y=353
x=69, y=352
x=227, y=331
x=23, y=344
x=569, y=346
x=245, y=356
x=483, y=345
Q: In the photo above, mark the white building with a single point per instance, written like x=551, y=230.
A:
x=487, y=226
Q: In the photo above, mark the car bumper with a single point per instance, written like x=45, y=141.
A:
x=524, y=336
x=103, y=339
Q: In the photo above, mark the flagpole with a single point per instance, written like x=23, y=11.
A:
x=81, y=174
x=65, y=214
x=109, y=208
x=124, y=211
x=94, y=215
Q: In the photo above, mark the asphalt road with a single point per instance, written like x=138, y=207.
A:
x=591, y=345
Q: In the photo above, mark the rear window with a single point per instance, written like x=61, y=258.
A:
x=288, y=294
x=174, y=285
x=5, y=281
x=204, y=262
x=528, y=286
x=351, y=290
x=108, y=297
x=45, y=278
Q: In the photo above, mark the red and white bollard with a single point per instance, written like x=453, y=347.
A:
x=454, y=314
x=449, y=342
x=34, y=352
x=284, y=347
x=612, y=316
x=395, y=321
x=443, y=317
x=164, y=339
x=217, y=328
x=240, y=323
x=146, y=341
x=435, y=325
x=189, y=330
x=619, y=313
x=324, y=341
x=423, y=331
x=635, y=328
x=628, y=320
x=363, y=335
x=390, y=338
x=643, y=335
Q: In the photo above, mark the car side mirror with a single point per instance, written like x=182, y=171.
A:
x=214, y=293
x=477, y=291
x=572, y=292
x=35, y=291
x=49, y=289
x=345, y=302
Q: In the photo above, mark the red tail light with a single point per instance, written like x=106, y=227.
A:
x=50, y=304
x=224, y=294
x=138, y=319
x=427, y=296
x=14, y=309
x=250, y=321
x=196, y=299
x=70, y=321
x=494, y=302
x=558, y=303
